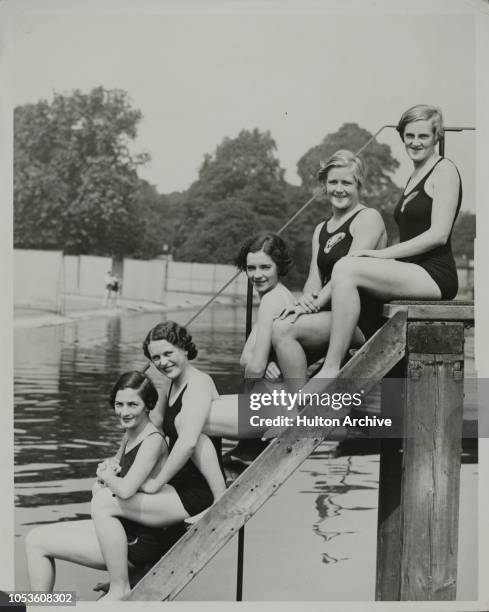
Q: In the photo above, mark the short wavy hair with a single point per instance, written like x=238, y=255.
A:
x=173, y=333
x=272, y=245
x=344, y=159
x=422, y=112
x=140, y=383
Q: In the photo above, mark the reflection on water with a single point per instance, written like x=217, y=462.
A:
x=64, y=426
x=331, y=487
x=63, y=376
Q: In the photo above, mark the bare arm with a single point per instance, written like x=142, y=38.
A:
x=146, y=458
x=189, y=423
x=368, y=231
x=446, y=184
x=314, y=280
x=309, y=301
x=162, y=384
x=206, y=460
x=247, y=353
x=270, y=305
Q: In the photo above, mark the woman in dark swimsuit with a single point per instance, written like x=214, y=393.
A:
x=421, y=265
x=351, y=226
x=180, y=489
x=142, y=451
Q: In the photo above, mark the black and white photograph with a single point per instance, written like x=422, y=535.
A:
x=244, y=253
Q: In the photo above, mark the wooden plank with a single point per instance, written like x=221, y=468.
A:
x=267, y=473
x=433, y=311
x=387, y=582
x=431, y=475
x=444, y=337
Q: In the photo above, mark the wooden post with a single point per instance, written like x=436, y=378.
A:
x=419, y=477
x=387, y=581
x=431, y=460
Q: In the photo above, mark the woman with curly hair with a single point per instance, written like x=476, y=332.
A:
x=122, y=537
x=266, y=260
x=190, y=479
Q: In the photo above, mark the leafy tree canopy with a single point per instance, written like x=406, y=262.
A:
x=75, y=180
x=463, y=236
x=240, y=190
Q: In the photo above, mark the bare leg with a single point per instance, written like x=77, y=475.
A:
x=384, y=278
x=113, y=543
x=157, y=510
x=74, y=541
x=223, y=418
x=309, y=335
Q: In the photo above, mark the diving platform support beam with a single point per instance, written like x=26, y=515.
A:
x=419, y=481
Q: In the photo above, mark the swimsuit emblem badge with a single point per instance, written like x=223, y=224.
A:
x=333, y=241
x=408, y=198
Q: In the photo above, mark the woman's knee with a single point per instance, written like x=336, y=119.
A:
x=281, y=330
x=345, y=270
x=37, y=539
x=103, y=503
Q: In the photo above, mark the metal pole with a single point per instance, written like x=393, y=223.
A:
x=441, y=146
x=249, y=308
x=241, y=532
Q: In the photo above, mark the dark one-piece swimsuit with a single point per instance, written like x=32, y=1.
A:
x=189, y=483
x=332, y=247
x=413, y=216
x=145, y=545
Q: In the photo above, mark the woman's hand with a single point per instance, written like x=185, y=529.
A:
x=111, y=464
x=97, y=486
x=306, y=304
x=294, y=312
x=102, y=471
x=273, y=372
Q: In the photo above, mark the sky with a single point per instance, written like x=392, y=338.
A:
x=199, y=75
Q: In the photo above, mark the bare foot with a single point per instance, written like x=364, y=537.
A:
x=318, y=382
x=102, y=586
x=115, y=593
x=196, y=517
x=327, y=373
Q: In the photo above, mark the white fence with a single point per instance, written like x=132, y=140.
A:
x=38, y=279
x=42, y=277
x=150, y=280
x=144, y=280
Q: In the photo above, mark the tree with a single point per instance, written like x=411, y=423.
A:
x=75, y=179
x=463, y=236
x=240, y=190
x=379, y=190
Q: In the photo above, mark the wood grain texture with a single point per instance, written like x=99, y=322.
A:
x=433, y=311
